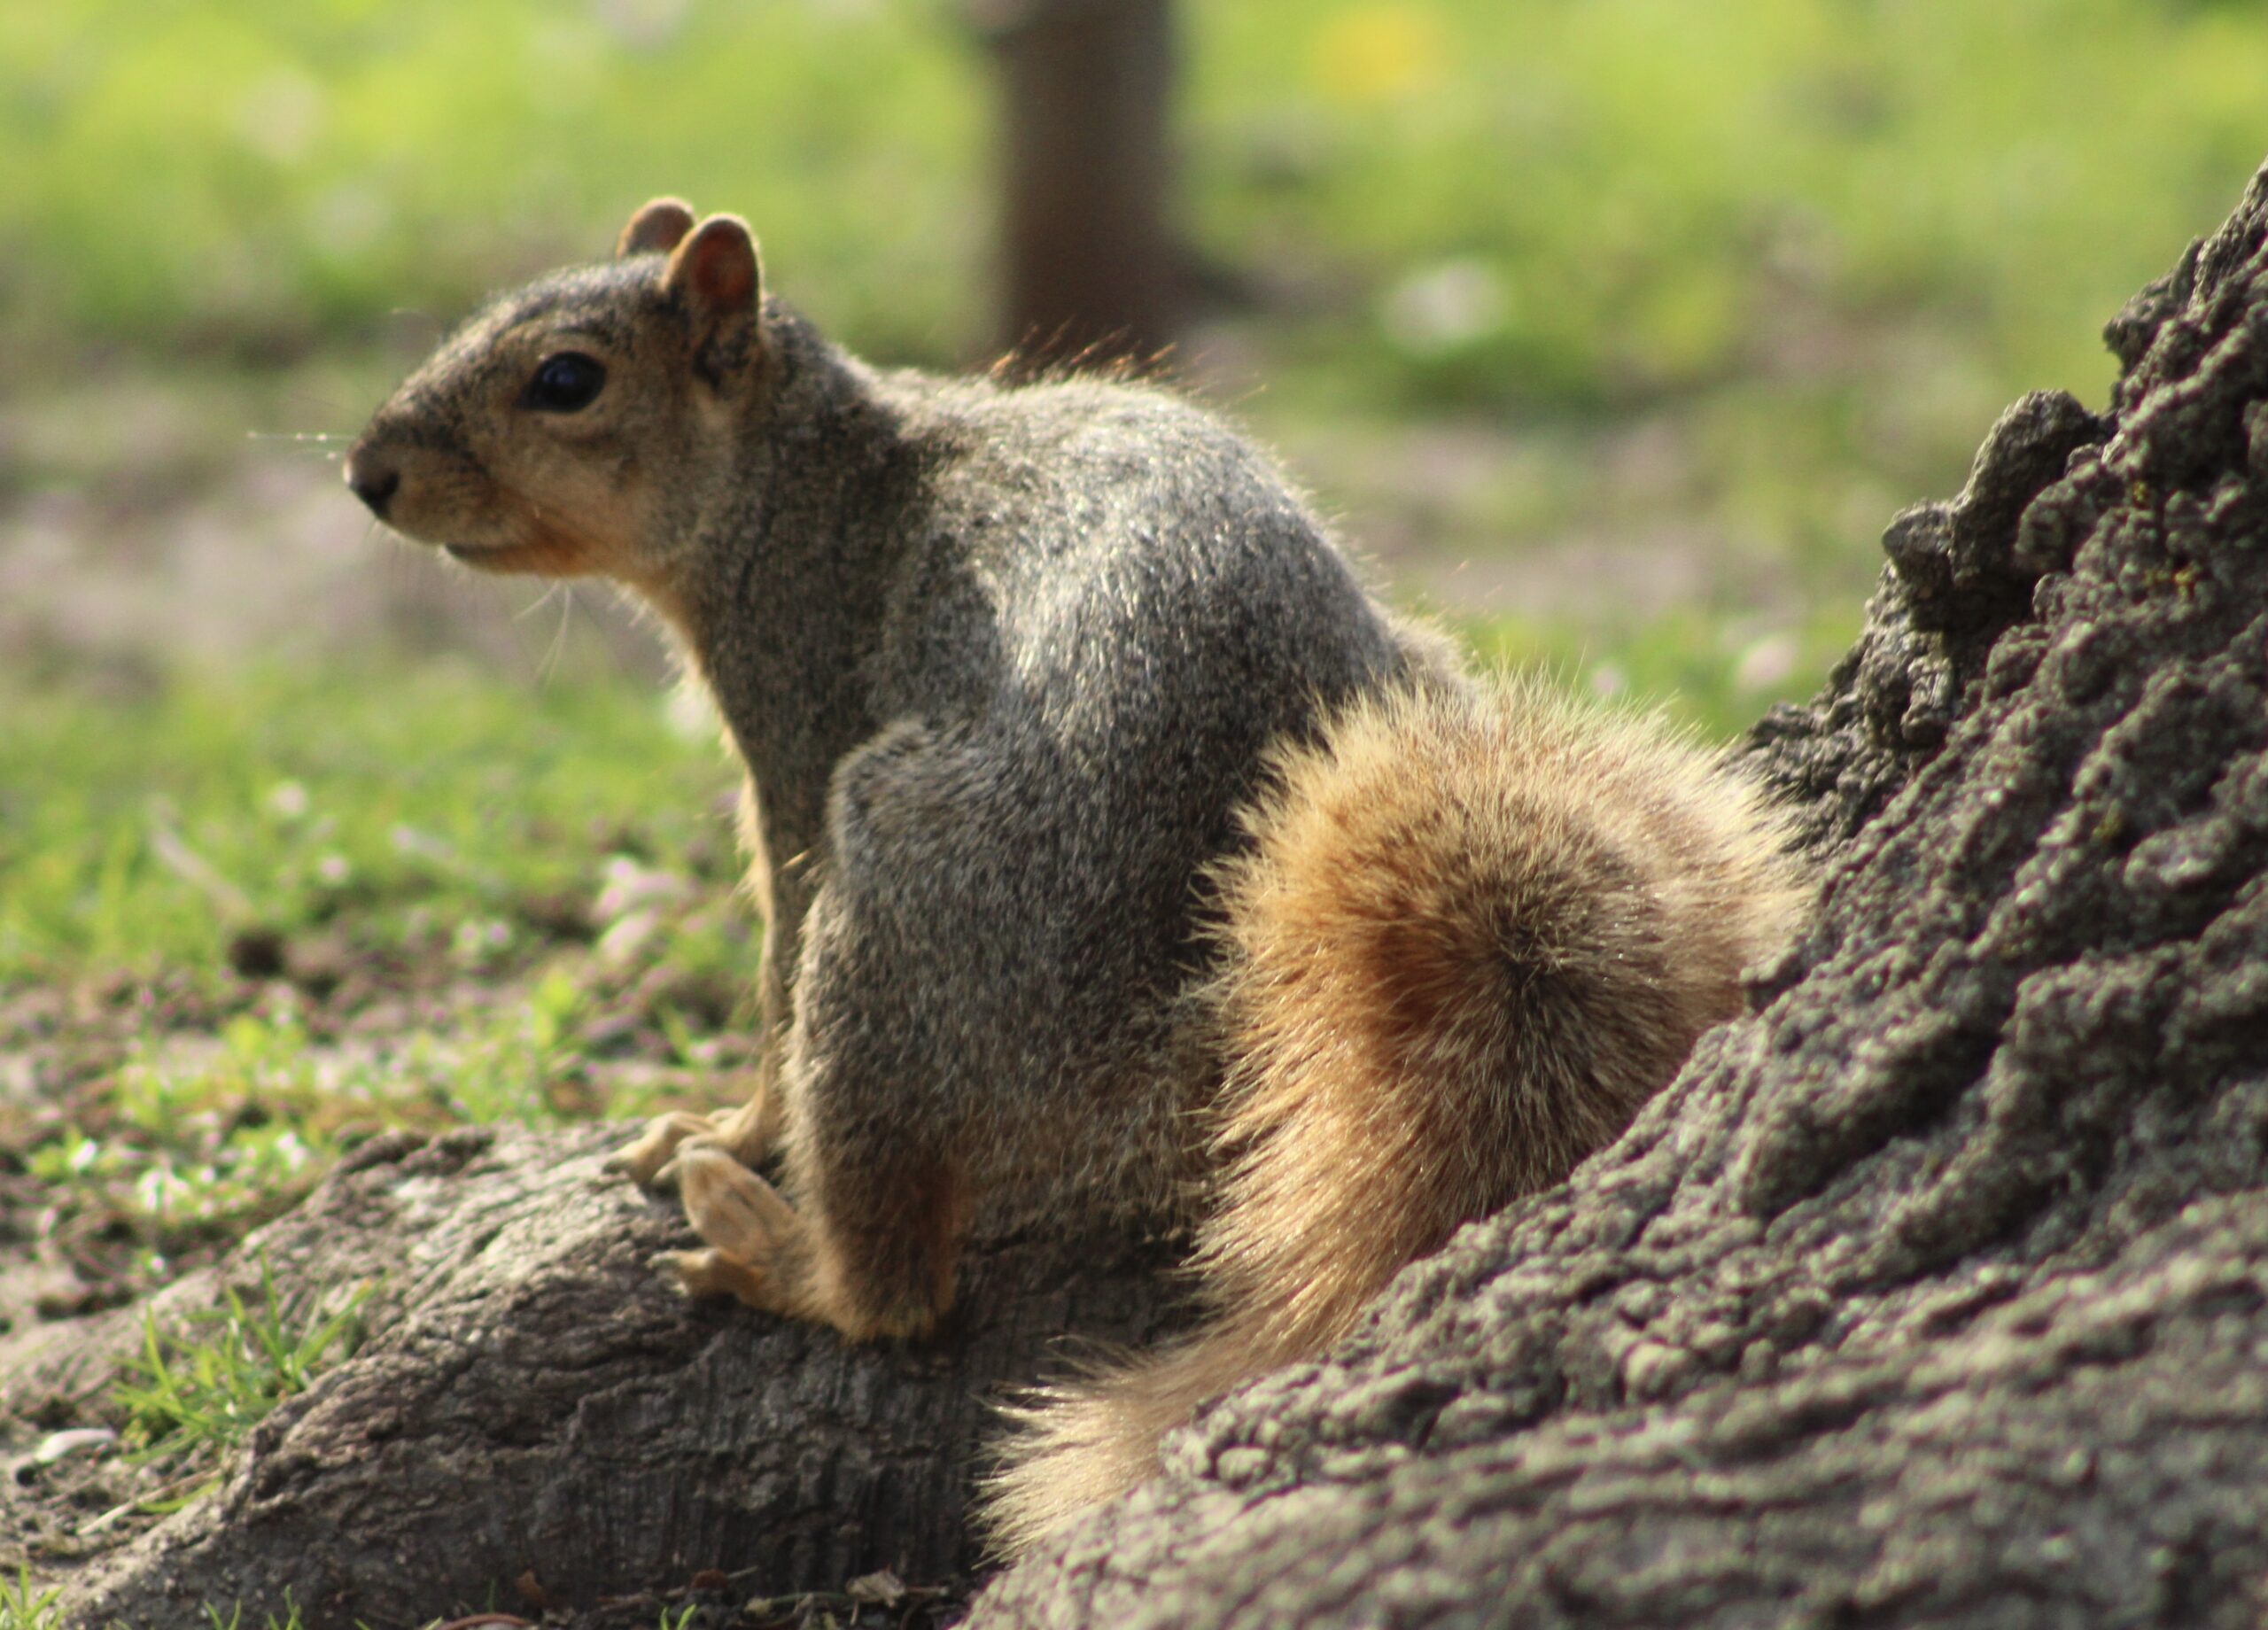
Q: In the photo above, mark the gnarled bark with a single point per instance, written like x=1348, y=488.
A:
x=537, y=1416
x=1936, y=1292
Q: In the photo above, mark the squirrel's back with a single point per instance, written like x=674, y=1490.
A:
x=1472, y=934
x=1118, y=606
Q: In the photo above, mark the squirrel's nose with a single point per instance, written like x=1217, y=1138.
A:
x=372, y=482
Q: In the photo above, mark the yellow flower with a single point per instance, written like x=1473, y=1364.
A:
x=1378, y=53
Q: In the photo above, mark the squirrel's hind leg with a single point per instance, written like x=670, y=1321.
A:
x=886, y=1269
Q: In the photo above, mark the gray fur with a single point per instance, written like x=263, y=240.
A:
x=1003, y=663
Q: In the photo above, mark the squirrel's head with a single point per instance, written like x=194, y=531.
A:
x=569, y=428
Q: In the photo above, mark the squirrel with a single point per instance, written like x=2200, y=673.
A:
x=1120, y=855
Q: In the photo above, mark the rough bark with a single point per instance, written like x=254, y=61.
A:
x=1937, y=1291
x=536, y=1407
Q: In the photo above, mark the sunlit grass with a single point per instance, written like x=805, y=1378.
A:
x=454, y=817
x=27, y=1605
x=435, y=812
x=190, y=1398
x=1636, y=190
x=200, y=1138
x=1818, y=245
x=1482, y=201
x=256, y=173
x=1708, y=674
x=250, y=862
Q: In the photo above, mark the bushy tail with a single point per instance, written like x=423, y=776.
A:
x=1472, y=935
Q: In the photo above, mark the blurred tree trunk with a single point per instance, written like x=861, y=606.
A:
x=1090, y=265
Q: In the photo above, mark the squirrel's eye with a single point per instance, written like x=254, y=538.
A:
x=565, y=383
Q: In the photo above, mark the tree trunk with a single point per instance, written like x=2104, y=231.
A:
x=1935, y=1292
x=1090, y=266
x=537, y=1417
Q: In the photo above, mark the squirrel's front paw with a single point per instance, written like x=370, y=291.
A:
x=642, y=1161
x=745, y=1134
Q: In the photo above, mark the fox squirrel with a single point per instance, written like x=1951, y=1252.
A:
x=1115, y=845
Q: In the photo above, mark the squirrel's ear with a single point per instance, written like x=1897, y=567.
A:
x=659, y=227
x=716, y=270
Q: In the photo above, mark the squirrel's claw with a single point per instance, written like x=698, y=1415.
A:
x=743, y=1134
x=645, y=1160
x=712, y=1272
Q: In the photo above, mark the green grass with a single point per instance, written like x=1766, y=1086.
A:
x=188, y=1400
x=1479, y=201
x=1714, y=675
x=202, y=1138
x=436, y=812
x=235, y=1620
x=1817, y=245
x=25, y=1605
x=1629, y=187
x=450, y=817
x=298, y=912
x=264, y=172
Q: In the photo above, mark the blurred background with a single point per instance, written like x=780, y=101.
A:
x=1590, y=318
x=1613, y=330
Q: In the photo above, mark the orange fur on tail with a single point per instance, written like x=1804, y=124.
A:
x=1472, y=934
